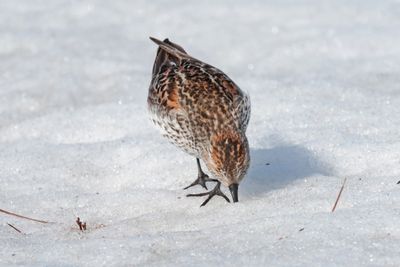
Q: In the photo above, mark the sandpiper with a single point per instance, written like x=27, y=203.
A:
x=203, y=112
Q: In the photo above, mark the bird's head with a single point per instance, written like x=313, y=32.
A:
x=228, y=159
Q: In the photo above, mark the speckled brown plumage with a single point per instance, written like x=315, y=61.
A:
x=201, y=110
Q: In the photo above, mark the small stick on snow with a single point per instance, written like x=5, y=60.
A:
x=15, y=228
x=340, y=193
x=23, y=217
x=82, y=226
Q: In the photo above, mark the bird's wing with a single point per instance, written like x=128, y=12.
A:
x=242, y=111
x=238, y=102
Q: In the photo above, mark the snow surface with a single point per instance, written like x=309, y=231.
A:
x=75, y=138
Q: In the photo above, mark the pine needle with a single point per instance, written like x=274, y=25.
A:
x=340, y=193
x=23, y=217
x=15, y=228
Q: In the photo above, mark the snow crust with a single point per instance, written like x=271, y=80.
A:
x=75, y=138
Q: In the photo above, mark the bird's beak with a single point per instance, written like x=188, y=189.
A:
x=234, y=192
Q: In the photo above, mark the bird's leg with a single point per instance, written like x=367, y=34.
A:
x=202, y=178
x=211, y=194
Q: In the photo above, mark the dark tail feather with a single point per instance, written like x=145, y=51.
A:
x=167, y=52
x=167, y=41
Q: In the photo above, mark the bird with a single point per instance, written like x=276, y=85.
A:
x=198, y=108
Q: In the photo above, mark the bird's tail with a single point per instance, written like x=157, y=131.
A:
x=167, y=52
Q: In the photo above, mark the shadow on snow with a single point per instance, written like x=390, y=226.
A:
x=276, y=167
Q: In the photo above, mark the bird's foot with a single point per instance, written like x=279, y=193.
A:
x=211, y=194
x=201, y=180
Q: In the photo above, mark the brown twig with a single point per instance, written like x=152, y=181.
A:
x=340, y=193
x=23, y=217
x=82, y=225
x=15, y=228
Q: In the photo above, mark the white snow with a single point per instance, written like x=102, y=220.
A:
x=75, y=138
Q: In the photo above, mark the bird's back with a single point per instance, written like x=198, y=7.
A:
x=190, y=100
